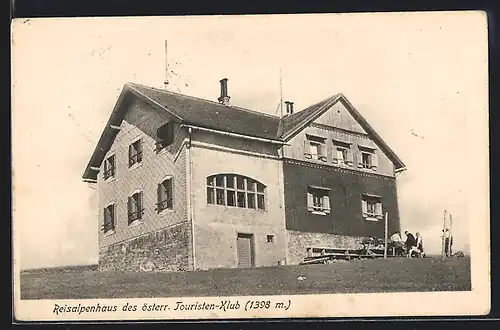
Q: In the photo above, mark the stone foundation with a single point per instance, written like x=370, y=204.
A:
x=162, y=250
x=298, y=242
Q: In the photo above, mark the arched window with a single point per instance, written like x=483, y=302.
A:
x=236, y=190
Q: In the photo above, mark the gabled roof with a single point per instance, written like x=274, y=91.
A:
x=205, y=113
x=293, y=124
x=212, y=115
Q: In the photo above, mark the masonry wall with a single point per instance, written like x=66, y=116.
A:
x=216, y=226
x=299, y=242
x=347, y=187
x=165, y=249
x=141, y=122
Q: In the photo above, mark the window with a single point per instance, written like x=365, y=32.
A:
x=318, y=200
x=164, y=136
x=134, y=206
x=371, y=206
x=270, y=238
x=342, y=154
x=367, y=158
x=109, y=219
x=236, y=190
x=135, y=153
x=315, y=148
x=109, y=167
x=165, y=195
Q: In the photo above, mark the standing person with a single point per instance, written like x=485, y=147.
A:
x=411, y=243
x=448, y=241
x=420, y=244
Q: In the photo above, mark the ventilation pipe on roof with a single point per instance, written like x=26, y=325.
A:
x=289, y=108
x=224, y=97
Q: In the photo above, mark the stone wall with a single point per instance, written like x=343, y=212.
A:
x=162, y=250
x=298, y=242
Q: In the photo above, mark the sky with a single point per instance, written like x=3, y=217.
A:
x=417, y=78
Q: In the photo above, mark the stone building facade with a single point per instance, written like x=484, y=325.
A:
x=186, y=183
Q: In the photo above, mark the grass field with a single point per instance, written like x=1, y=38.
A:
x=357, y=276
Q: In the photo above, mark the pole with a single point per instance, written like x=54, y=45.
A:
x=451, y=237
x=385, y=234
x=166, y=66
x=443, y=238
x=281, y=95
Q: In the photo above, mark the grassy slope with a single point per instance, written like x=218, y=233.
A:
x=359, y=276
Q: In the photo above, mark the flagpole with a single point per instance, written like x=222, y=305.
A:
x=385, y=234
x=443, y=238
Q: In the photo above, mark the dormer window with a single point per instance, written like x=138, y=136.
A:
x=164, y=136
x=315, y=148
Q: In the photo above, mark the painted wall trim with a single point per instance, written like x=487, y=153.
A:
x=248, y=137
x=189, y=194
x=231, y=150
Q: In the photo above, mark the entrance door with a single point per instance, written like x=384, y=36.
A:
x=245, y=250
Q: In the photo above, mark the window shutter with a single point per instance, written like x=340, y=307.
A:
x=139, y=151
x=310, y=201
x=378, y=210
x=139, y=207
x=326, y=204
x=364, y=208
x=129, y=207
x=335, y=158
x=321, y=151
x=112, y=215
x=130, y=155
x=307, y=147
x=159, y=197
x=350, y=159
x=360, y=160
x=106, y=216
x=171, y=192
x=170, y=133
x=374, y=161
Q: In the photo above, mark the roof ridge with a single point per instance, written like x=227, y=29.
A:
x=206, y=100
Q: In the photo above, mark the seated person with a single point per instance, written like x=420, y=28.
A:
x=397, y=243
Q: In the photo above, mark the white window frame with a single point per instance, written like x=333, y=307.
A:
x=313, y=141
x=249, y=193
x=377, y=203
x=322, y=194
x=373, y=158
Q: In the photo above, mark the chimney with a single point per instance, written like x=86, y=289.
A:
x=289, y=107
x=223, y=98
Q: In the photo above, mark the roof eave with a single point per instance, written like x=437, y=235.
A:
x=89, y=173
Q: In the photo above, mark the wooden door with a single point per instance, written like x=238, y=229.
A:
x=245, y=250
